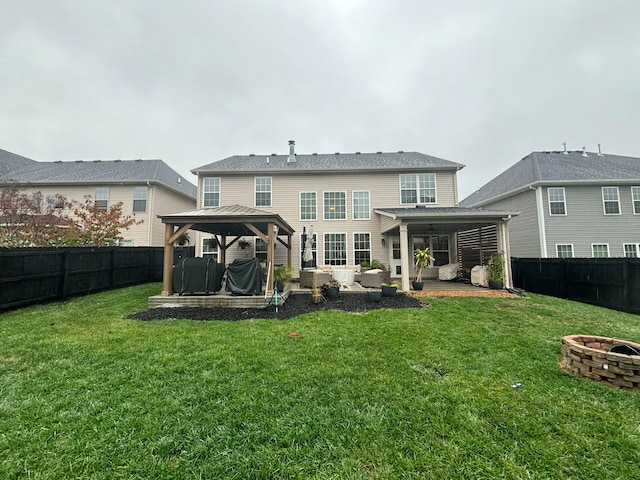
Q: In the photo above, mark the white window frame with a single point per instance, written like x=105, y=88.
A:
x=605, y=201
x=101, y=194
x=635, y=200
x=570, y=245
x=593, y=253
x=256, y=180
x=418, y=178
x=140, y=194
x=260, y=253
x=207, y=251
x=353, y=246
x=355, y=209
x=326, y=260
x=326, y=211
x=564, y=201
x=315, y=207
x=636, y=247
x=211, y=186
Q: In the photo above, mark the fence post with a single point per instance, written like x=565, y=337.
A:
x=65, y=274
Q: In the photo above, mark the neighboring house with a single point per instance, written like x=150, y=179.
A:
x=572, y=204
x=146, y=188
x=358, y=207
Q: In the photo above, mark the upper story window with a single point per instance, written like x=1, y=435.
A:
x=263, y=191
x=101, y=199
x=631, y=250
x=611, y=200
x=600, y=250
x=335, y=206
x=361, y=205
x=556, y=201
x=140, y=199
x=564, y=250
x=211, y=192
x=308, y=206
x=635, y=198
x=418, y=188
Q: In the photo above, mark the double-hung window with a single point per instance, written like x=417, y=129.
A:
x=211, y=192
x=635, y=198
x=308, y=206
x=418, y=188
x=263, y=191
x=361, y=248
x=335, y=206
x=208, y=248
x=335, y=248
x=611, y=200
x=140, y=199
x=631, y=250
x=102, y=198
x=361, y=205
x=557, y=204
x=564, y=250
x=260, y=249
x=600, y=250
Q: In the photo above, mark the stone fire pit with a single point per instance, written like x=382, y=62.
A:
x=590, y=357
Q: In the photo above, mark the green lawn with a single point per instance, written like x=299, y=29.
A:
x=422, y=393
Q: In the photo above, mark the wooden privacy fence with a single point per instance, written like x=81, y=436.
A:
x=36, y=275
x=607, y=282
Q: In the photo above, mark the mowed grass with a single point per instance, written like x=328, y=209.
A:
x=420, y=393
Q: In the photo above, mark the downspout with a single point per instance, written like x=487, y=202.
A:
x=150, y=220
x=541, y=227
x=508, y=274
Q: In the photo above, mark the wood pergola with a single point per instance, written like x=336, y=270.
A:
x=227, y=225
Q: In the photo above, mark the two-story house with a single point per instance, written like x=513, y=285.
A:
x=357, y=207
x=571, y=204
x=147, y=188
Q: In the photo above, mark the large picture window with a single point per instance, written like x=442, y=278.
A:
x=308, y=206
x=418, y=188
x=556, y=201
x=211, y=192
x=140, y=199
x=635, y=198
x=611, y=200
x=263, y=191
x=101, y=200
x=335, y=206
x=335, y=248
x=361, y=208
x=361, y=248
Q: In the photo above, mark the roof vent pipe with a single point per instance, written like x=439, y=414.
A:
x=600, y=154
x=292, y=152
x=584, y=152
x=565, y=148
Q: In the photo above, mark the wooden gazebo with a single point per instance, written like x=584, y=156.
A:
x=227, y=224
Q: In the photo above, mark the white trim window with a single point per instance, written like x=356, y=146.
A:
x=207, y=250
x=361, y=248
x=140, y=199
x=335, y=248
x=211, y=192
x=260, y=249
x=101, y=199
x=314, y=249
x=360, y=200
x=611, y=200
x=417, y=188
x=308, y=206
x=557, y=205
x=600, y=250
x=262, y=191
x=334, y=206
x=564, y=250
x=631, y=250
x=635, y=199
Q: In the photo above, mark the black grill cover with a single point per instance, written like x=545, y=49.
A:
x=197, y=275
x=244, y=276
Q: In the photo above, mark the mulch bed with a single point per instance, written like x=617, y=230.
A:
x=294, y=306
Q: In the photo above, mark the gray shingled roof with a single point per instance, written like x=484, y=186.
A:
x=100, y=171
x=10, y=162
x=540, y=168
x=328, y=162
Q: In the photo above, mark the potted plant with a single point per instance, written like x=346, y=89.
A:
x=495, y=274
x=374, y=296
x=243, y=244
x=282, y=275
x=331, y=289
x=422, y=258
x=389, y=289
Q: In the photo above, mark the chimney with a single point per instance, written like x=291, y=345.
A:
x=584, y=152
x=292, y=152
x=600, y=154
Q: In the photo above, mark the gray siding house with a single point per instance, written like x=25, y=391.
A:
x=357, y=207
x=571, y=204
x=147, y=188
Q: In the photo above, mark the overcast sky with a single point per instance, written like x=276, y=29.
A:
x=481, y=83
